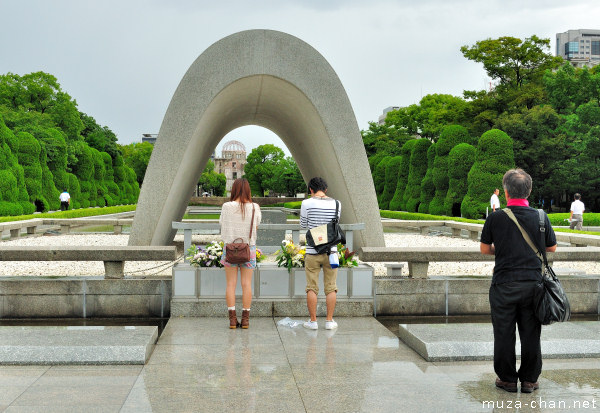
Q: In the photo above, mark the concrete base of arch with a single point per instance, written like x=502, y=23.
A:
x=269, y=79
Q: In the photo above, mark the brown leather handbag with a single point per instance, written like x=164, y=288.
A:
x=239, y=252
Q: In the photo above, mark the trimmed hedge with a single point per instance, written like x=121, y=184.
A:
x=379, y=177
x=391, y=181
x=417, y=171
x=427, y=186
x=493, y=158
x=397, y=201
x=424, y=217
x=460, y=161
x=77, y=213
x=450, y=136
x=589, y=219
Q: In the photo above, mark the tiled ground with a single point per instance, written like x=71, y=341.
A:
x=199, y=365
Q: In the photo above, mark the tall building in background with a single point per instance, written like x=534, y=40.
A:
x=232, y=161
x=580, y=47
x=382, y=117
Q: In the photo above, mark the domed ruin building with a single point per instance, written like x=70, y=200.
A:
x=232, y=161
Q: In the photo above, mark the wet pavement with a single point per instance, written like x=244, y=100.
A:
x=199, y=365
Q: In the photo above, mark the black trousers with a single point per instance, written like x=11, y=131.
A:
x=64, y=206
x=512, y=303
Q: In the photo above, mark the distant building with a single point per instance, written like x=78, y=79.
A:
x=232, y=161
x=385, y=112
x=580, y=47
x=149, y=137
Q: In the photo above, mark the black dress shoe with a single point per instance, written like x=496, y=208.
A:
x=529, y=387
x=506, y=385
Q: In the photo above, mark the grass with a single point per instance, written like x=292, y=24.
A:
x=424, y=217
x=201, y=216
x=74, y=213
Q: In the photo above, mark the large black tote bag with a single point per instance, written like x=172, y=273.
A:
x=323, y=237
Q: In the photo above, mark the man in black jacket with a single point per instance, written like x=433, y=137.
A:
x=517, y=274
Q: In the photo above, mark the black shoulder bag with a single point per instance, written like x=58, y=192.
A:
x=551, y=302
x=323, y=237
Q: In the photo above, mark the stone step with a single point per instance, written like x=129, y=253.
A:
x=54, y=345
x=475, y=341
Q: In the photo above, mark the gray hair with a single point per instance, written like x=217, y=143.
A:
x=517, y=183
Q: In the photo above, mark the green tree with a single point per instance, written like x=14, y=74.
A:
x=512, y=61
x=493, y=158
x=212, y=182
x=460, y=161
x=416, y=174
x=288, y=179
x=261, y=166
x=136, y=156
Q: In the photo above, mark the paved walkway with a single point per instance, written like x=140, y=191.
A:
x=199, y=365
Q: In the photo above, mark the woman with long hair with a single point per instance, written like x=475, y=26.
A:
x=239, y=218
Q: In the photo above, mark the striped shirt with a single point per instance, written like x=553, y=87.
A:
x=318, y=211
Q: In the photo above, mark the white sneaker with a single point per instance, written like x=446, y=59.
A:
x=311, y=325
x=330, y=325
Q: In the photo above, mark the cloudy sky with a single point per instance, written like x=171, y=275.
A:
x=123, y=59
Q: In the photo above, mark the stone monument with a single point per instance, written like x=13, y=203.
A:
x=269, y=79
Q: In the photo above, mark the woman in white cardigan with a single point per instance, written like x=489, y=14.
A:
x=236, y=222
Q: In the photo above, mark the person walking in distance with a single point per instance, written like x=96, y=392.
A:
x=577, y=208
x=317, y=210
x=237, y=217
x=65, y=200
x=495, y=201
x=516, y=278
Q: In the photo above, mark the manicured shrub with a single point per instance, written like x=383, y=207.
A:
x=417, y=171
x=28, y=155
x=379, y=177
x=49, y=190
x=391, y=180
x=397, y=202
x=460, y=161
x=427, y=186
x=74, y=191
x=375, y=159
x=450, y=136
x=494, y=156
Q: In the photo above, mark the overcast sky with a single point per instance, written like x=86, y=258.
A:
x=123, y=59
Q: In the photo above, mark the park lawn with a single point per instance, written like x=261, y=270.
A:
x=73, y=213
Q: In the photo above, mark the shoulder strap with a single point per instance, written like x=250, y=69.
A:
x=337, y=205
x=251, y=222
x=513, y=218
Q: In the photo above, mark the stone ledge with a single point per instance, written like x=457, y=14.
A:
x=77, y=345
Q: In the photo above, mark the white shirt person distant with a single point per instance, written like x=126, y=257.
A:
x=494, y=200
x=65, y=200
x=576, y=218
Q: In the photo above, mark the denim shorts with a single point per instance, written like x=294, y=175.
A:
x=250, y=264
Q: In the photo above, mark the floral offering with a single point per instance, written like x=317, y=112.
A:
x=290, y=255
x=347, y=258
x=210, y=256
x=259, y=255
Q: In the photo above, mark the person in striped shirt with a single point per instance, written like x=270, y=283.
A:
x=317, y=210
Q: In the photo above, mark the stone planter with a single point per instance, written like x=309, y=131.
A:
x=273, y=282
x=360, y=281
x=184, y=281
x=212, y=283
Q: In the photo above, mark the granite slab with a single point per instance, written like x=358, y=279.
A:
x=475, y=341
x=76, y=345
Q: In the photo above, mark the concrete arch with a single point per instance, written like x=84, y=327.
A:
x=265, y=78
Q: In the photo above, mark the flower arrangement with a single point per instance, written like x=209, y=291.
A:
x=259, y=255
x=347, y=258
x=290, y=255
x=205, y=257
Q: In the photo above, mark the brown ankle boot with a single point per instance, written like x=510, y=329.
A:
x=245, y=318
x=233, y=322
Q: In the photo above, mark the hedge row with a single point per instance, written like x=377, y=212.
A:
x=456, y=178
x=34, y=169
x=73, y=213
